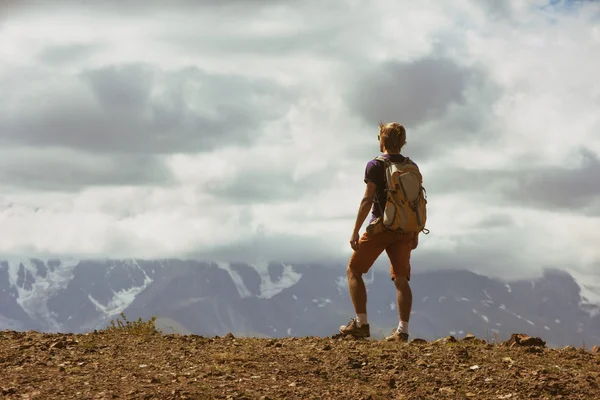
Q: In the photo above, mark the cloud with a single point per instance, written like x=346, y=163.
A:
x=68, y=53
x=570, y=186
x=441, y=103
x=241, y=129
x=142, y=109
x=63, y=170
x=416, y=90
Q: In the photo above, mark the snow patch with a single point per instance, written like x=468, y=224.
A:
x=441, y=298
x=294, y=297
x=268, y=287
x=289, y=331
x=462, y=299
x=507, y=286
x=424, y=299
x=589, y=293
x=123, y=298
x=486, y=294
x=321, y=302
x=34, y=300
x=342, y=284
x=485, y=318
x=557, y=321
x=392, y=306
x=546, y=328
x=236, y=278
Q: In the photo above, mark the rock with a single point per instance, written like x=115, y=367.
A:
x=418, y=341
x=9, y=391
x=447, y=339
x=468, y=337
x=229, y=335
x=595, y=349
x=447, y=390
x=520, y=339
x=58, y=345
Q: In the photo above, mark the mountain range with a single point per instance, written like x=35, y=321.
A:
x=277, y=299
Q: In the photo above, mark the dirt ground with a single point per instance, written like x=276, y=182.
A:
x=135, y=364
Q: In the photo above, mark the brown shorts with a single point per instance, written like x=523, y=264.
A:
x=398, y=247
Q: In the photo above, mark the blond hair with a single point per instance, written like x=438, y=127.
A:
x=393, y=136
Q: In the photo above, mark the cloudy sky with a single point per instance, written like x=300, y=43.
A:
x=240, y=129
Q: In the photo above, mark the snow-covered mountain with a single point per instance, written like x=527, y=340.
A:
x=278, y=299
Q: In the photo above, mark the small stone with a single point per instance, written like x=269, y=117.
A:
x=58, y=345
x=229, y=335
x=520, y=339
x=469, y=336
x=447, y=339
x=293, y=384
x=447, y=390
x=418, y=341
x=595, y=349
x=474, y=367
x=327, y=347
x=9, y=391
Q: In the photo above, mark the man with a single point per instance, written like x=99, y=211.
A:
x=397, y=244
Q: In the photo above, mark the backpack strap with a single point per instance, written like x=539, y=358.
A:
x=385, y=161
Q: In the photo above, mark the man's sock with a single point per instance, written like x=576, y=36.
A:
x=361, y=319
x=403, y=327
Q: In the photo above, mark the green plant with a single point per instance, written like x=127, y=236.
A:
x=139, y=327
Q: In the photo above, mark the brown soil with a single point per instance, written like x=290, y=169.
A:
x=130, y=364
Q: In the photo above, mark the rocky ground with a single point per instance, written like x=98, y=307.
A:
x=133, y=361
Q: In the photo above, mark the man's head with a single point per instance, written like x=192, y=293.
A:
x=392, y=137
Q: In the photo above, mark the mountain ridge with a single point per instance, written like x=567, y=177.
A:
x=277, y=299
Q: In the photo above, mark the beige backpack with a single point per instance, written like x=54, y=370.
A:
x=406, y=202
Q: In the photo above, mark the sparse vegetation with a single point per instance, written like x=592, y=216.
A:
x=139, y=327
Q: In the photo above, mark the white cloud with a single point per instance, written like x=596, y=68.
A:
x=530, y=101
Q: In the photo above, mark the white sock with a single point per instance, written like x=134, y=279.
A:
x=361, y=319
x=403, y=326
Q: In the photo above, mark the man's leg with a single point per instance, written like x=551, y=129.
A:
x=404, y=302
x=399, y=254
x=369, y=248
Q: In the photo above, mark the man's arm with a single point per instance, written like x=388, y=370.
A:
x=363, y=211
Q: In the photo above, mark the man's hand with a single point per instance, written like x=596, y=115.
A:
x=354, y=241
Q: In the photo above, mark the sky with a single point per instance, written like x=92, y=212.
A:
x=239, y=130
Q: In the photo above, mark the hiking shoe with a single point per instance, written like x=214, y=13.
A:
x=354, y=330
x=398, y=336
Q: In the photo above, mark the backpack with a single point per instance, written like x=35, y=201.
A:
x=406, y=199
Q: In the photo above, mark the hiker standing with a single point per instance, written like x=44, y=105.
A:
x=396, y=197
